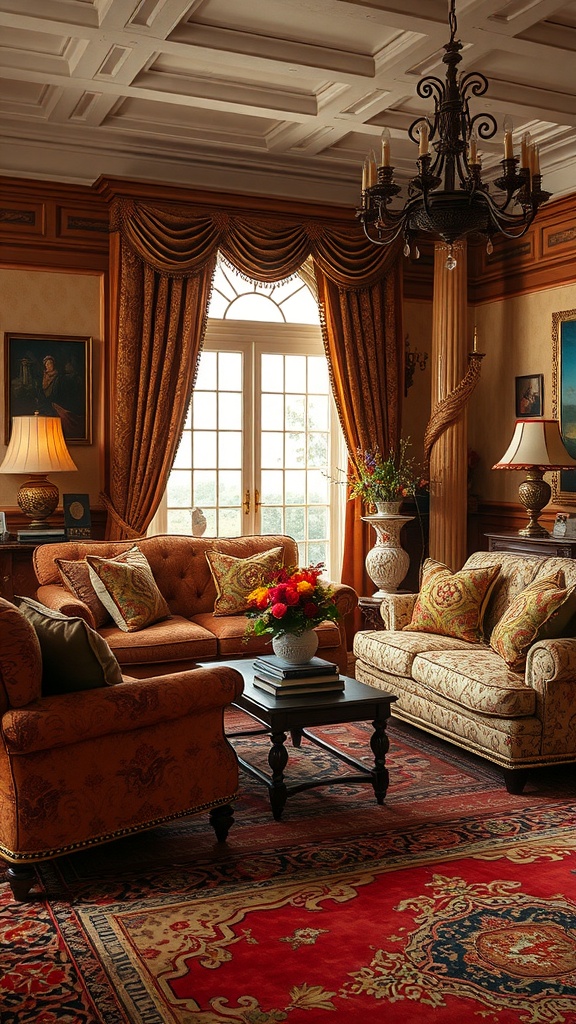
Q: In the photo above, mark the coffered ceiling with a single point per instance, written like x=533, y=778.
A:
x=281, y=97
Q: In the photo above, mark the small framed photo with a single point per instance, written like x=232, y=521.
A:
x=560, y=525
x=50, y=374
x=529, y=396
x=77, y=521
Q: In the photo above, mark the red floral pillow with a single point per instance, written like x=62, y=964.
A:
x=453, y=604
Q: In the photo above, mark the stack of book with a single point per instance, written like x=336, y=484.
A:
x=42, y=535
x=273, y=675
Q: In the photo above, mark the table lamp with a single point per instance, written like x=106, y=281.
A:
x=537, y=447
x=37, y=447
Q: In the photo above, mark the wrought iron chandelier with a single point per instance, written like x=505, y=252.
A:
x=448, y=198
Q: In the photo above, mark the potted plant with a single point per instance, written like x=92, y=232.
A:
x=384, y=482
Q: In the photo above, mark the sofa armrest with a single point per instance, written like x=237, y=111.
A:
x=61, y=600
x=70, y=718
x=396, y=610
x=551, y=672
x=345, y=598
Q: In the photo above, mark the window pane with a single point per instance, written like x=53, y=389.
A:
x=271, y=520
x=230, y=449
x=183, y=458
x=296, y=374
x=272, y=487
x=318, y=412
x=229, y=523
x=204, y=445
x=230, y=371
x=204, y=410
x=318, y=375
x=179, y=489
x=317, y=523
x=179, y=520
x=318, y=484
x=317, y=552
x=229, y=487
x=272, y=453
x=204, y=488
x=272, y=412
x=295, y=520
x=317, y=449
x=295, y=487
x=295, y=450
x=272, y=367
x=211, y=530
x=295, y=411
x=206, y=379
x=230, y=411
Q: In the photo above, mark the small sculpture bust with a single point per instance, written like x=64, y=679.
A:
x=198, y=522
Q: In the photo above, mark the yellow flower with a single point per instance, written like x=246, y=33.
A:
x=304, y=587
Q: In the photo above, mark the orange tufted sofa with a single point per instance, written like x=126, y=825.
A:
x=183, y=576
x=81, y=768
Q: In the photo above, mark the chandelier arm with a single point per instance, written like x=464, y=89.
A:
x=391, y=236
x=473, y=82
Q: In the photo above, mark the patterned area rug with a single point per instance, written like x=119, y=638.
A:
x=453, y=902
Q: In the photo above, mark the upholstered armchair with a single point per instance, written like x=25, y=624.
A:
x=83, y=767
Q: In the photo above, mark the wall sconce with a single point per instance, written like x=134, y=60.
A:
x=537, y=447
x=37, y=447
x=412, y=359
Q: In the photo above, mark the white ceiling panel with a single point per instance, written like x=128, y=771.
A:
x=280, y=96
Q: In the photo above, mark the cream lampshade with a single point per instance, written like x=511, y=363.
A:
x=537, y=447
x=37, y=447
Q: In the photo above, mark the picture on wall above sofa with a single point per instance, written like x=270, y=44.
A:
x=50, y=374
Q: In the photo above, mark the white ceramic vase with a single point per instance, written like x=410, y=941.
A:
x=388, y=508
x=387, y=563
x=296, y=649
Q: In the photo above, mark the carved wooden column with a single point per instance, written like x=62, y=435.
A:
x=448, y=460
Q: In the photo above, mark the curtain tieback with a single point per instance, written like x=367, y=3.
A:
x=128, y=530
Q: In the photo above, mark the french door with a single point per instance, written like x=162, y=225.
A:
x=262, y=443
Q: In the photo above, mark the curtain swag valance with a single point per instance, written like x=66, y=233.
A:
x=177, y=243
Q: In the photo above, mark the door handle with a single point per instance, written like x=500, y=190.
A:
x=257, y=499
x=246, y=502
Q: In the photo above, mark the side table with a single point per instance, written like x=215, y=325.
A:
x=561, y=547
x=370, y=608
x=17, y=574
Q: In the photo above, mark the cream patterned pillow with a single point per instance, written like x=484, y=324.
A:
x=128, y=590
x=453, y=604
x=541, y=611
x=235, y=578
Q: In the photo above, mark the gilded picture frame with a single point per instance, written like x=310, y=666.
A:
x=564, y=398
x=50, y=374
x=529, y=396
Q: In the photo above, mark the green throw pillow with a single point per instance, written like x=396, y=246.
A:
x=74, y=656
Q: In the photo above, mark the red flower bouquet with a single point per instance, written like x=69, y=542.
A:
x=294, y=601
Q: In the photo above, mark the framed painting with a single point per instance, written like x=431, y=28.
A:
x=529, y=396
x=50, y=374
x=564, y=398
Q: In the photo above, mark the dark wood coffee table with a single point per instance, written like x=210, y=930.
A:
x=294, y=715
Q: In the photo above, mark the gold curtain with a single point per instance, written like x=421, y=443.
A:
x=363, y=338
x=162, y=262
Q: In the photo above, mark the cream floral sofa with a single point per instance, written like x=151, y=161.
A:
x=466, y=692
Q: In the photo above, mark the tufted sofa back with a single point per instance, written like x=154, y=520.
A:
x=516, y=572
x=178, y=563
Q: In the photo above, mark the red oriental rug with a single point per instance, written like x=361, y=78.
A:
x=453, y=902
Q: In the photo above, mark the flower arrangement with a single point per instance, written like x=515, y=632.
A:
x=294, y=601
x=391, y=479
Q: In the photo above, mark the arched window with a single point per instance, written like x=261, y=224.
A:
x=262, y=443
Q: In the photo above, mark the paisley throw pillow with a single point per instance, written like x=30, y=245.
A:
x=235, y=578
x=127, y=588
x=453, y=604
x=540, y=612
